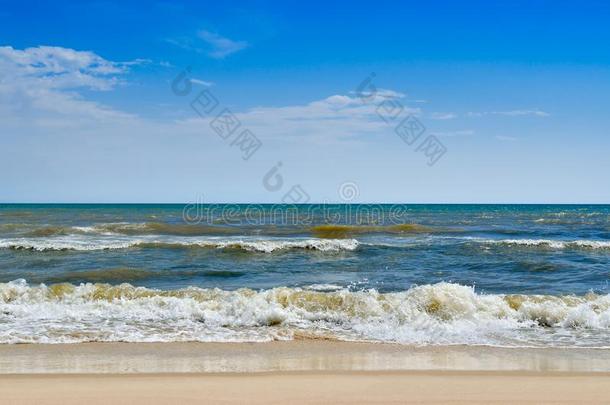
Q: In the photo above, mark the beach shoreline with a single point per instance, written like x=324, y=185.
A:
x=302, y=355
x=296, y=372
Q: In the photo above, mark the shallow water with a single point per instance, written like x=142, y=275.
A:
x=510, y=275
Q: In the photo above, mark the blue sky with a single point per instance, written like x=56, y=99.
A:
x=517, y=94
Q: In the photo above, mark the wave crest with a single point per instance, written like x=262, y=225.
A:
x=554, y=244
x=184, y=229
x=254, y=245
x=442, y=313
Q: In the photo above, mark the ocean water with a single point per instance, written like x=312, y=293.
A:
x=506, y=275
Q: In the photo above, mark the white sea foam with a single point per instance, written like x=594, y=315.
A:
x=442, y=313
x=323, y=287
x=441, y=239
x=106, y=228
x=554, y=244
x=268, y=246
x=83, y=243
x=66, y=243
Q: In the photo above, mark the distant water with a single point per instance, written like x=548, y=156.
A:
x=509, y=275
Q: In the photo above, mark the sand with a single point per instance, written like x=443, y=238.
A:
x=313, y=387
x=299, y=372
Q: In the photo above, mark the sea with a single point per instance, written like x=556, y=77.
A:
x=496, y=275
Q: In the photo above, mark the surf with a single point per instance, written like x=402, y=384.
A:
x=442, y=313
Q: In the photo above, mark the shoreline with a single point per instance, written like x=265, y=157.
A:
x=299, y=372
x=291, y=356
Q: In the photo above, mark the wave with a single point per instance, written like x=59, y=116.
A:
x=252, y=245
x=442, y=313
x=344, y=231
x=182, y=229
x=120, y=274
x=127, y=275
x=553, y=244
x=49, y=231
x=272, y=244
x=127, y=228
x=8, y=227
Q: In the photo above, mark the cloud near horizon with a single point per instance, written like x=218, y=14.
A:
x=334, y=118
x=511, y=113
x=443, y=116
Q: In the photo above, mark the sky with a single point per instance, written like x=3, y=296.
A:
x=286, y=101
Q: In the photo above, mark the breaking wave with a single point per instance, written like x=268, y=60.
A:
x=128, y=228
x=183, y=229
x=249, y=245
x=442, y=313
x=554, y=244
x=323, y=242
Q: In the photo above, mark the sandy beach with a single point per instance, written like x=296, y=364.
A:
x=299, y=372
x=314, y=387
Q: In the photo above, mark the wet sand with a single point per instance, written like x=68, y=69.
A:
x=299, y=372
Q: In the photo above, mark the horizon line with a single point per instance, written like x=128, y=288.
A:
x=302, y=204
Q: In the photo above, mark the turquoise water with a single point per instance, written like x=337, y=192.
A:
x=415, y=274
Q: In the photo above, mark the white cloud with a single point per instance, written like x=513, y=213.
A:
x=380, y=94
x=214, y=45
x=443, y=116
x=334, y=118
x=202, y=82
x=59, y=67
x=221, y=47
x=41, y=88
x=511, y=113
x=43, y=84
